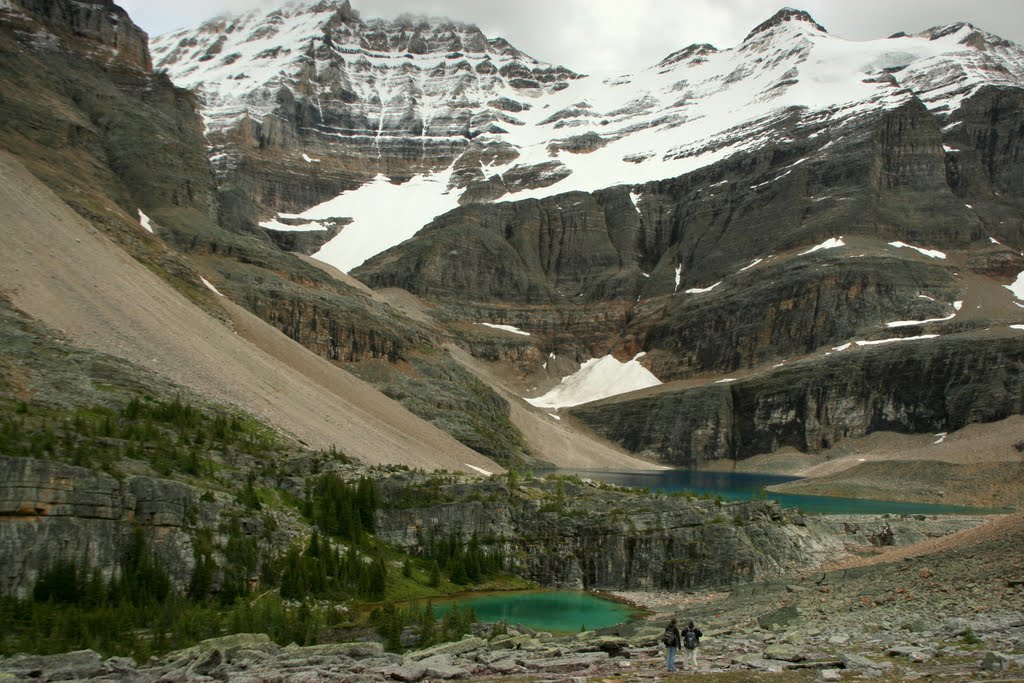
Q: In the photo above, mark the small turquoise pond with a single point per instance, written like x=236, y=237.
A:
x=554, y=611
x=745, y=486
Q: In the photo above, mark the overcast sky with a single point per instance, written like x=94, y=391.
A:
x=626, y=35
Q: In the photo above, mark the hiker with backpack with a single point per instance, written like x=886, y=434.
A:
x=671, y=640
x=691, y=641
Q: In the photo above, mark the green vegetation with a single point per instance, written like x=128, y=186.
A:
x=436, y=388
x=391, y=621
x=173, y=436
x=466, y=563
x=308, y=595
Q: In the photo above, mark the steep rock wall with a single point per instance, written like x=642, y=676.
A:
x=51, y=512
x=924, y=386
x=592, y=539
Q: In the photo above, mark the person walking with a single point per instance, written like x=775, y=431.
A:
x=691, y=641
x=671, y=641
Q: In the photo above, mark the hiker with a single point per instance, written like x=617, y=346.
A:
x=671, y=641
x=691, y=641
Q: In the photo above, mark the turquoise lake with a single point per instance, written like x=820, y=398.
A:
x=554, y=611
x=744, y=486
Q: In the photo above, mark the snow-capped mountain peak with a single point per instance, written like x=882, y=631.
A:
x=477, y=120
x=787, y=19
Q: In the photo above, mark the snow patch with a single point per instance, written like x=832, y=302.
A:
x=704, y=290
x=481, y=470
x=209, y=286
x=596, y=379
x=727, y=380
x=679, y=277
x=941, y=437
x=278, y=226
x=308, y=160
x=957, y=305
x=554, y=416
x=752, y=264
x=1017, y=287
x=993, y=240
x=506, y=328
x=145, y=222
x=383, y=215
x=1017, y=327
x=878, y=342
x=635, y=198
x=949, y=149
x=832, y=243
x=930, y=253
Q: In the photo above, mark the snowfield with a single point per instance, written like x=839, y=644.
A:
x=596, y=379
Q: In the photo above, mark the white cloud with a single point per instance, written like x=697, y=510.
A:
x=610, y=35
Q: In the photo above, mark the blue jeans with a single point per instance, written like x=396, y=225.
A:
x=671, y=657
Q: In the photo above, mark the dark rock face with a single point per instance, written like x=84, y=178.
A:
x=605, y=265
x=791, y=309
x=924, y=386
x=111, y=35
x=86, y=124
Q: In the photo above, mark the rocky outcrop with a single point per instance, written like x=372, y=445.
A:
x=52, y=513
x=928, y=386
x=578, y=535
x=787, y=309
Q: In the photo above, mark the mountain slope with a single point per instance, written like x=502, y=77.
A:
x=125, y=149
x=66, y=275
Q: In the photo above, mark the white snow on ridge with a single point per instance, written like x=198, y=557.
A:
x=596, y=379
x=931, y=253
x=506, y=328
x=832, y=243
x=308, y=160
x=752, y=264
x=1017, y=287
x=312, y=226
x=704, y=290
x=957, y=305
x=145, y=222
x=879, y=342
x=383, y=215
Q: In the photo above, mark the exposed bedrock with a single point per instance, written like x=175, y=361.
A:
x=931, y=385
x=585, y=537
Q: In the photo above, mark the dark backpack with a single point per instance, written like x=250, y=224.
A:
x=669, y=639
x=690, y=639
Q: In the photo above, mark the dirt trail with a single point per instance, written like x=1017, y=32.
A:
x=60, y=270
